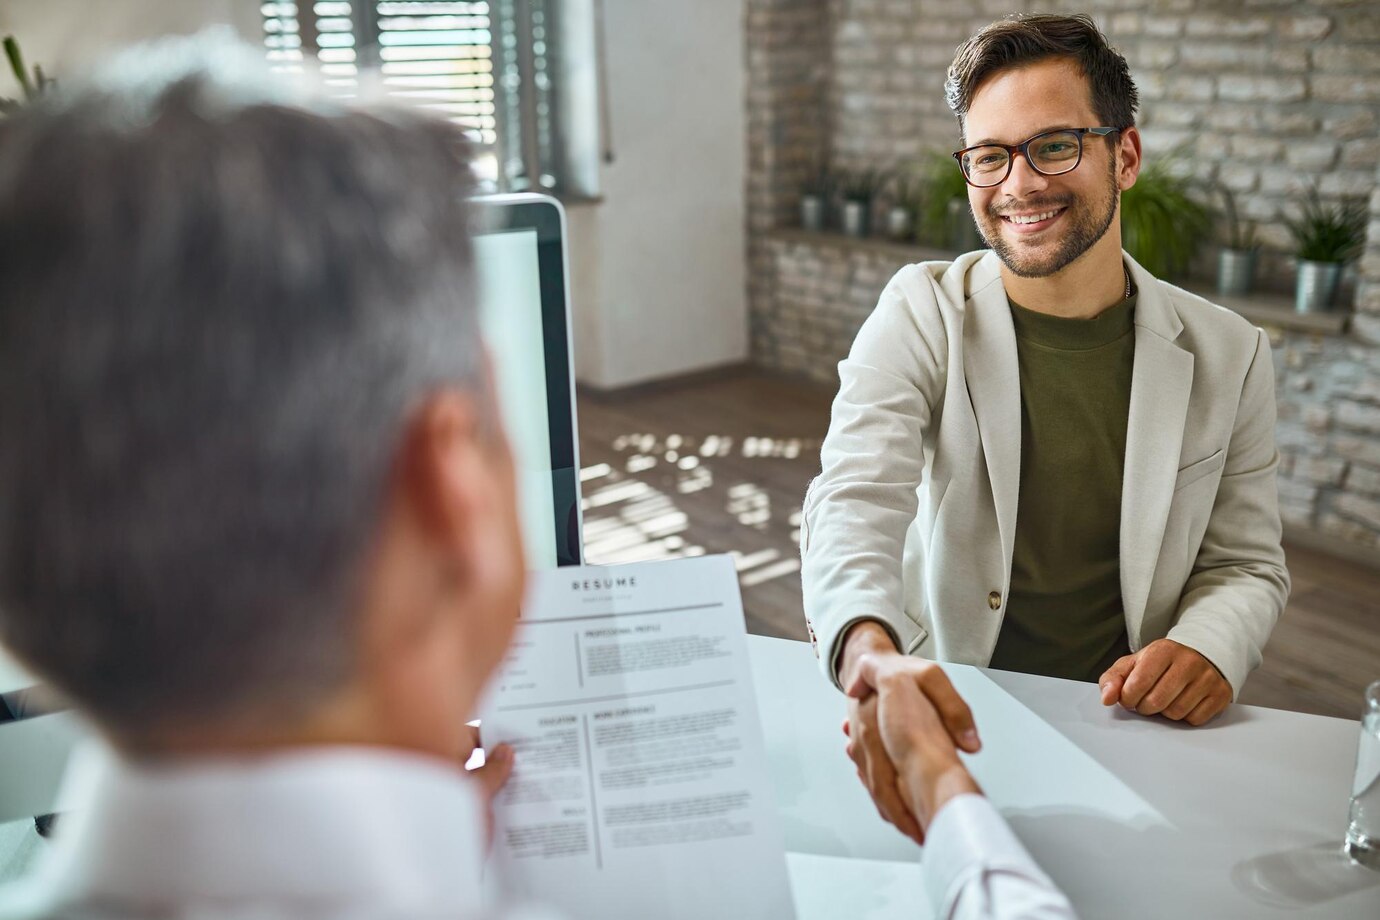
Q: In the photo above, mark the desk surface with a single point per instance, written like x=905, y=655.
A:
x=12, y=676
x=1131, y=816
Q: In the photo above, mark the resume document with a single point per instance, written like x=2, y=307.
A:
x=639, y=786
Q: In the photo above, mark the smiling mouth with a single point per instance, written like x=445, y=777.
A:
x=1022, y=220
x=1028, y=223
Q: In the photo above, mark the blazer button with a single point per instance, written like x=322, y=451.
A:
x=994, y=600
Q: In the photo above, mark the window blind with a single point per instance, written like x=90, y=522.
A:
x=431, y=53
x=490, y=65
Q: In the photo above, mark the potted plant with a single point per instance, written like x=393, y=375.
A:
x=814, y=199
x=1162, y=226
x=946, y=220
x=1236, y=261
x=908, y=196
x=33, y=88
x=1327, y=236
x=859, y=192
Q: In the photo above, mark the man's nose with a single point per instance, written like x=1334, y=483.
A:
x=1024, y=179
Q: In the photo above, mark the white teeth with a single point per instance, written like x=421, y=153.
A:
x=1032, y=218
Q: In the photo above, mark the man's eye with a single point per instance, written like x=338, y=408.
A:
x=989, y=160
x=1056, y=149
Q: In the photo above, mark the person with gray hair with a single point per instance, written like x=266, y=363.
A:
x=257, y=513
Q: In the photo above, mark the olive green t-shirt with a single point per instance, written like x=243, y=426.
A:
x=1064, y=615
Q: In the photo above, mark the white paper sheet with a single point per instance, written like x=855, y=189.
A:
x=640, y=786
x=834, y=887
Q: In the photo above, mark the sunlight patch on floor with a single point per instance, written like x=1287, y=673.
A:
x=674, y=447
x=629, y=519
x=767, y=573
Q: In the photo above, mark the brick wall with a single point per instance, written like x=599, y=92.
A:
x=1259, y=93
x=787, y=73
x=1329, y=437
x=1328, y=396
x=817, y=296
x=1264, y=93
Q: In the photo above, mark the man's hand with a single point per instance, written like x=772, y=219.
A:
x=1168, y=679
x=498, y=766
x=865, y=745
x=915, y=737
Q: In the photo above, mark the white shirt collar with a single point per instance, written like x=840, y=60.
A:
x=338, y=829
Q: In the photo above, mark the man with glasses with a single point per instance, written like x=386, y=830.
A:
x=1041, y=457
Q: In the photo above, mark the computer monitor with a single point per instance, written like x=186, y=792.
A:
x=525, y=318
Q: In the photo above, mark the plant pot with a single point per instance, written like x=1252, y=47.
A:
x=963, y=233
x=1317, y=286
x=855, y=218
x=812, y=212
x=899, y=225
x=1236, y=270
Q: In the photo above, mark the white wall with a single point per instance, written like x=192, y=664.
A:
x=657, y=267
x=68, y=35
x=657, y=274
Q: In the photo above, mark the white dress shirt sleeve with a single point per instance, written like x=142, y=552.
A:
x=530, y=912
x=974, y=867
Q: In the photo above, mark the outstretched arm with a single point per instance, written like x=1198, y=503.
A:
x=974, y=867
x=860, y=507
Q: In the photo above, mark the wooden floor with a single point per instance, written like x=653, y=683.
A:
x=720, y=464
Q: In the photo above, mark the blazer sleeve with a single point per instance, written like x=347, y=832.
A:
x=1239, y=584
x=858, y=510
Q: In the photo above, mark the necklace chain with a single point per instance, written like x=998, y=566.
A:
x=1127, y=295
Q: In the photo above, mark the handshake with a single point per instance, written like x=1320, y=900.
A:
x=906, y=722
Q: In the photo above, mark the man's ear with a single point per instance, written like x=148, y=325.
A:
x=445, y=472
x=458, y=481
x=440, y=575
x=1128, y=158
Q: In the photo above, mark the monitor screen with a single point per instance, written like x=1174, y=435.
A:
x=520, y=262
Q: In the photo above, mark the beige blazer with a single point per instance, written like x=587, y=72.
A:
x=913, y=516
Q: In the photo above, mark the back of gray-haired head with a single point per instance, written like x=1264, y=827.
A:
x=217, y=313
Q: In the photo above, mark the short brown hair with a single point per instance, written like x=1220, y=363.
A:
x=1021, y=40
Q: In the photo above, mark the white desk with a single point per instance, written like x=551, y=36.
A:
x=33, y=752
x=1132, y=817
x=12, y=676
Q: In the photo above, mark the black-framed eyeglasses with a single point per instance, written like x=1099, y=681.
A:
x=1051, y=153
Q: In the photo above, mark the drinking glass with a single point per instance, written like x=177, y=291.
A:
x=1363, y=831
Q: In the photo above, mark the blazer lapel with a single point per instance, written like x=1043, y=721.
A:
x=1161, y=382
x=992, y=371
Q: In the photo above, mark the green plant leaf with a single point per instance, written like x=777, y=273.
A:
x=16, y=59
x=944, y=182
x=1328, y=233
x=862, y=185
x=1162, y=226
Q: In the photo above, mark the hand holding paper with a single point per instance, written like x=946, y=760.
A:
x=491, y=775
x=639, y=770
